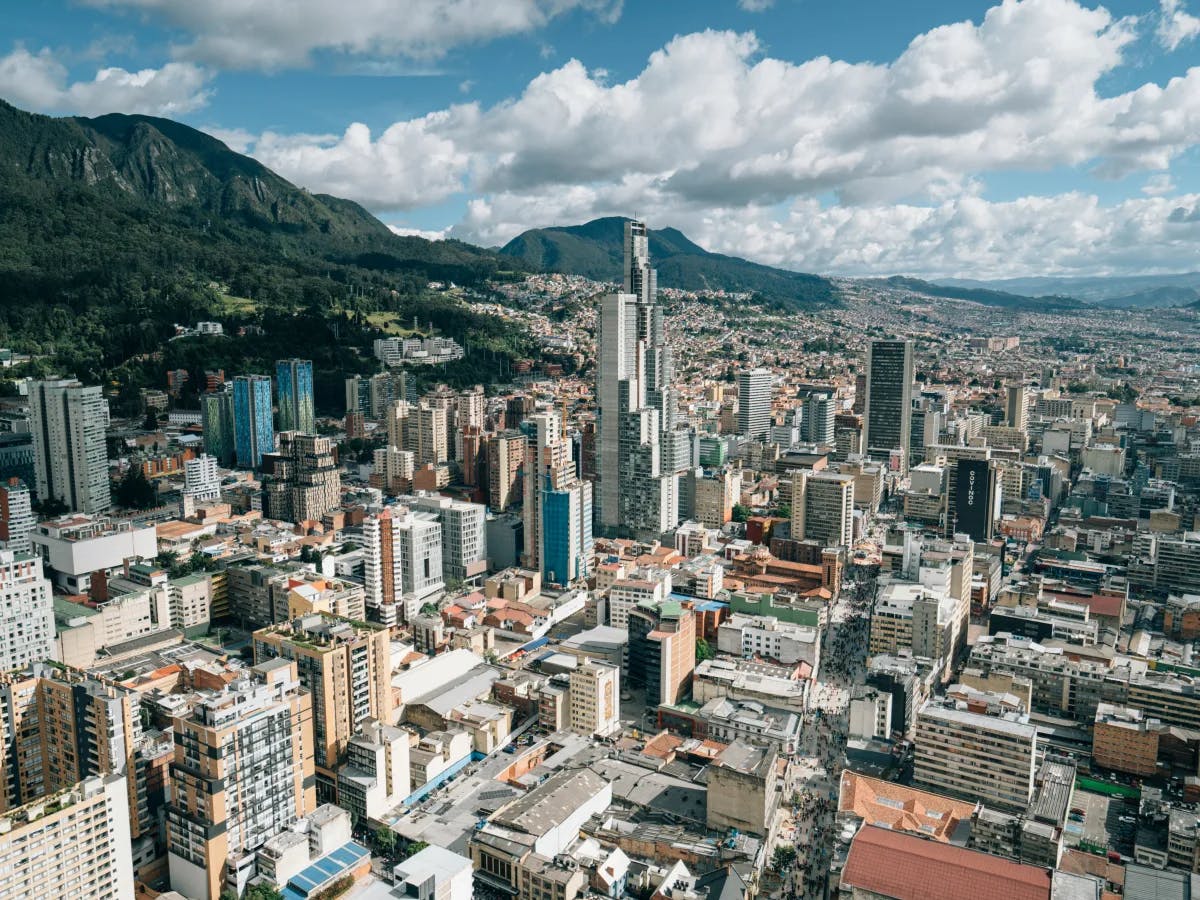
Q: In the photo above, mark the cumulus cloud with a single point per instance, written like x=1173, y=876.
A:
x=755, y=5
x=439, y=234
x=270, y=35
x=39, y=81
x=1175, y=24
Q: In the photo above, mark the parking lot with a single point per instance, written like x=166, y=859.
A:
x=1102, y=826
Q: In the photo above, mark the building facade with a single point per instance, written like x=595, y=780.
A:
x=70, y=454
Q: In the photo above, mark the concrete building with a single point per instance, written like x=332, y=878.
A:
x=74, y=843
x=435, y=873
x=754, y=403
x=976, y=755
x=346, y=668
x=70, y=455
x=75, y=547
x=595, y=693
x=402, y=563
x=1016, y=411
x=16, y=517
x=301, y=482
x=505, y=456
x=27, y=613
x=201, y=481
x=375, y=777
x=823, y=508
x=1125, y=740
x=784, y=642
x=742, y=790
x=662, y=651
x=243, y=772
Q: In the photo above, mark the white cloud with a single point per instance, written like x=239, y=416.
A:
x=430, y=235
x=270, y=34
x=1175, y=25
x=1158, y=185
x=755, y=5
x=40, y=82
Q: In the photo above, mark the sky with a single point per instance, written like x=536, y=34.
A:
x=927, y=137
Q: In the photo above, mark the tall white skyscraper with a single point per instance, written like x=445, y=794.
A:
x=70, y=457
x=754, y=403
x=640, y=450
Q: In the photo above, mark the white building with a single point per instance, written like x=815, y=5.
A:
x=435, y=874
x=754, y=403
x=375, y=777
x=402, y=563
x=16, y=516
x=464, y=537
x=27, y=613
x=70, y=454
x=76, y=546
x=646, y=585
x=751, y=636
x=201, y=479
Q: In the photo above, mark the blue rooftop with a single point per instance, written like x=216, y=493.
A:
x=326, y=869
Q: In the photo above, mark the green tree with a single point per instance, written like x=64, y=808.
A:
x=385, y=840
x=784, y=511
x=782, y=858
x=151, y=422
x=703, y=650
x=412, y=849
x=740, y=513
x=134, y=491
x=262, y=892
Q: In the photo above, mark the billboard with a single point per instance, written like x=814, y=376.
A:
x=973, y=499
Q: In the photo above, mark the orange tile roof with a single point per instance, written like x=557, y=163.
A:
x=905, y=867
x=900, y=808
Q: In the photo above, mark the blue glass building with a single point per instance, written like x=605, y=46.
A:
x=566, y=531
x=294, y=381
x=254, y=432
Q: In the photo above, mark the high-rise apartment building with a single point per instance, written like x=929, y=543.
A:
x=637, y=459
x=243, y=772
x=1017, y=407
x=818, y=422
x=27, y=613
x=662, y=651
x=70, y=454
x=16, y=516
x=558, y=505
x=253, y=427
x=754, y=403
x=422, y=429
x=505, y=455
x=74, y=844
x=216, y=414
x=294, y=381
x=595, y=691
x=301, y=482
x=201, y=479
x=823, y=507
x=375, y=778
x=402, y=563
x=346, y=668
x=887, y=411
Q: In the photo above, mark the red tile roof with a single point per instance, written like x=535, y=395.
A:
x=910, y=868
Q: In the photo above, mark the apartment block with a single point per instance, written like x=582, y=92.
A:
x=595, y=692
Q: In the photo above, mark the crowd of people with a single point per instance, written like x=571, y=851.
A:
x=825, y=726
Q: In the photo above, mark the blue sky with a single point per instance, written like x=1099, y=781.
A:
x=938, y=138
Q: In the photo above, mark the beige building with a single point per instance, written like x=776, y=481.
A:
x=74, y=843
x=1125, y=740
x=742, y=789
x=823, y=507
x=375, y=777
x=595, y=699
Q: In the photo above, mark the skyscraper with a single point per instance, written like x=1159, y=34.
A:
x=402, y=568
x=754, y=403
x=823, y=507
x=819, y=413
x=217, y=418
x=70, y=456
x=294, y=381
x=301, y=482
x=253, y=430
x=1017, y=412
x=887, y=412
x=637, y=405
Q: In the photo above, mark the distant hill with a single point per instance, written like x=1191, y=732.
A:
x=595, y=250
x=1116, y=291
x=982, y=295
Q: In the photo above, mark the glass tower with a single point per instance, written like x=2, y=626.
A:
x=294, y=381
x=254, y=433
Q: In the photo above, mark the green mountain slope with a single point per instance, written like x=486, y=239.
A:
x=114, y=229
x=983, y=295
x=595, y=250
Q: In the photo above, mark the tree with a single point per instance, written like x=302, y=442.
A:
x=782, y=858
x=135, y=491
x=385, y=840
x=413, y=849
x=740, y=513
x=784, y=511
x=262, y=892
x=151, y=423
x=703, y=650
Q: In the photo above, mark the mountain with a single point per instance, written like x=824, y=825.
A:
x=115, y=228
x=596, y=250
x=980, y=295
x=1116, y=291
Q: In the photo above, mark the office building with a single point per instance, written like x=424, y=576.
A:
x=754, y=403
x=823, y=508
x=638, y=475
x=201, y=479
x=818, y=423
x=253, y=427
x=976, y=755
x=1017, y=407
x=595, y=692
x=294, y=381
x=70, y=455
x=662, y=651
x=301, y=482
x=346, y=669
x=402, y=563
x=16, y=516
x=73, y=844
x=242, y=773
x=464, y=535
x=216, y=415
x=887, y=411
x=558, y=506
x=27, y=613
